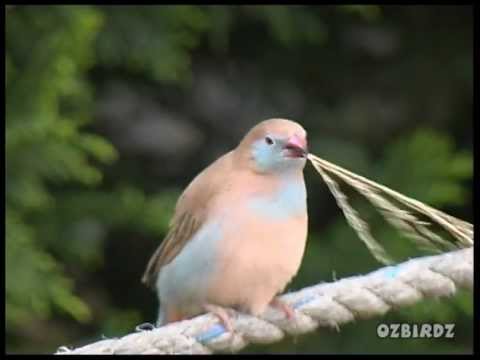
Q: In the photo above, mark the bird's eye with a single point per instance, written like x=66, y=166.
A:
x=269, y=140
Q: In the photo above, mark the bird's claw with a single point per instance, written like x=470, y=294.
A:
x=284, y=307
x=222, y=315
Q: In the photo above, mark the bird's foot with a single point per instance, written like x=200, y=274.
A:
x=222, y=315
x=284, y=307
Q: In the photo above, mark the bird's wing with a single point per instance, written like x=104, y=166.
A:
x=180, y=232
x=190, y=214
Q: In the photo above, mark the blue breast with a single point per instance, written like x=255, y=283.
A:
x=289, y=200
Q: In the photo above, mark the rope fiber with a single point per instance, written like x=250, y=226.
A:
x=326, y=305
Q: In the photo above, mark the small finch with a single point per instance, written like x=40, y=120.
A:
x=238, y=233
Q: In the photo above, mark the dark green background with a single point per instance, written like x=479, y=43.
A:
x=111, y=111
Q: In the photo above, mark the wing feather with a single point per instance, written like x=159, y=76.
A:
x=190, y=214
x=179, y=234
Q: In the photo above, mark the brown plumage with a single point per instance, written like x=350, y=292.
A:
x=238, y=231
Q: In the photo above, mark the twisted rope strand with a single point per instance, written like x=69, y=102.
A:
x=326, y=304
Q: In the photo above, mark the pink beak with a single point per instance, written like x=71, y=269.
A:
x=297, y=146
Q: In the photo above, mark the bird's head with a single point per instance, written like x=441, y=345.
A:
x=275, y=146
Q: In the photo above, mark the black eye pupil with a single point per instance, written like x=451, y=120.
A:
x=269, y=140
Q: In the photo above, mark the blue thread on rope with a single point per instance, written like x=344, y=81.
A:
x=302, y=302
x=391, y=271
x=213, y=332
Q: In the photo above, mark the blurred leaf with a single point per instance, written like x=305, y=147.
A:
x=120, y=322
x=154, y=41
x=425, y=166
x=45, y=145
x=368, y=12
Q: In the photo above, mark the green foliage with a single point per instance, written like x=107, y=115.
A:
x=45, y=100
x=48, y=151
x=292, y=26
x=118, y=322
x=427, y=167
x=35, y=282
x=368, y=12
x=152, y=41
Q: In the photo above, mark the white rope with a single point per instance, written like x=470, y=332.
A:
x=327, y=304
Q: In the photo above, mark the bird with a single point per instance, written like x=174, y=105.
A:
x=238, y=232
